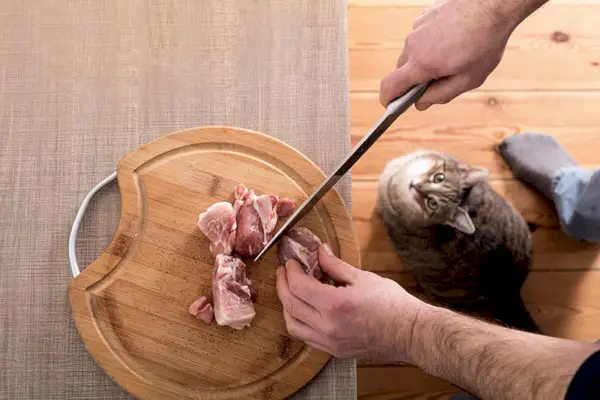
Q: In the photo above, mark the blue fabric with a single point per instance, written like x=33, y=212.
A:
x=586, y=382
x=576, y=193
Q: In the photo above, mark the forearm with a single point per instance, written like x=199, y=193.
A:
x=493, y=362
x=510, y=13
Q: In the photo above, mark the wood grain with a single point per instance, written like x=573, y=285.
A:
x=473, y=125
x=401, y=382
x=542, y=85
x=130, y=305
x=377, y=31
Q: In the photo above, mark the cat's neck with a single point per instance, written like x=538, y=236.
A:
x=477, y=196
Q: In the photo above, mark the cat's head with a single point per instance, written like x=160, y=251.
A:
x=429, y=187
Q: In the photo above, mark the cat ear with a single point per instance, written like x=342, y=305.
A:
x=474, y=175
x=462, y=222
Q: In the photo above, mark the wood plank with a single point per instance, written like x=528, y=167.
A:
x=533, y=89
x=377, y=32
x=401, y=382
x=565, y=304
x=473, y=125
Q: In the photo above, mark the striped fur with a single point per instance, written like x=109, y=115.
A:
x=478, y=272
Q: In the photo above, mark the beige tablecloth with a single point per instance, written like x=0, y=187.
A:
x=83, y=82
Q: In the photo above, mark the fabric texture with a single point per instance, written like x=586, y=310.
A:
x=576, y=194
x=82, y=83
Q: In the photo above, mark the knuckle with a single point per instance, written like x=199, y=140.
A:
x=338, y=352
x=289, y=307
x=427, y=65
x=331, y=308
x=291, y=326
x=330, y=330
x=292, y=330
x=294, y=287
x=454, y=65
x=409, y=42
x=477, y=82
x=343, y=305
x=369, y=275
x=385, y=86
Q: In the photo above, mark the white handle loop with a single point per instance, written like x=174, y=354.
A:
x=79, y=217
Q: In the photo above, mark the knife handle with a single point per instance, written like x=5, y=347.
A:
x=403, y=102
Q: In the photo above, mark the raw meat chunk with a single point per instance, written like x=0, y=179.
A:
x=218, y=223
x=249, y=236
x=256, y=218
x=285, y=207
x=246, y=226
x=302, y=245
x=232, y=293
x=243, y=227
x=202, y=309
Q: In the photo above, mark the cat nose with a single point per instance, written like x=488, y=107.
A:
x=415, y=185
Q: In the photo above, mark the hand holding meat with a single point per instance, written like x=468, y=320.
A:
x=367, y=317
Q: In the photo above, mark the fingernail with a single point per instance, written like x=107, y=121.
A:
x=327, y=250
x=424, y=106
x=278, y=271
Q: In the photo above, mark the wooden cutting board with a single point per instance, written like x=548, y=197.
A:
x=131, y=304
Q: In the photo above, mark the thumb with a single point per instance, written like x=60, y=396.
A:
x=336, y=269
x=400, y=81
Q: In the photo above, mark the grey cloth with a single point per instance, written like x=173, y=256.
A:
x=82, y=83
x=542, y=162
x=576, y=194
x=535, y=158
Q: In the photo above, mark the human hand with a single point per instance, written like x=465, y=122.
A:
x=369, y=317
x=457, y=43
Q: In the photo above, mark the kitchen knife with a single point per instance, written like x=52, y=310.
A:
x=393, y=111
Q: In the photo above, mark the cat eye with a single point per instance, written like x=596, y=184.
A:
x=439, y=178
x=431, y=203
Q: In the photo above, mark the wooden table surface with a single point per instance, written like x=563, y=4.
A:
x=548, y=82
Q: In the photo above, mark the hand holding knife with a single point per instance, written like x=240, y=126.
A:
x=393, y=111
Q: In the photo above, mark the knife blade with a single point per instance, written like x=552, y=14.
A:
x=393, y=111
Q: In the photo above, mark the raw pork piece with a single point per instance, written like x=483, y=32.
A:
x=244, y=227
x=302, y=245
x=256, y=218
x=219, y=225
x=232, y=293
x=285, y=206
x=247, y=225
x=202, y=309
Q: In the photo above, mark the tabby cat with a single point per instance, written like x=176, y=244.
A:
x=467, y=247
